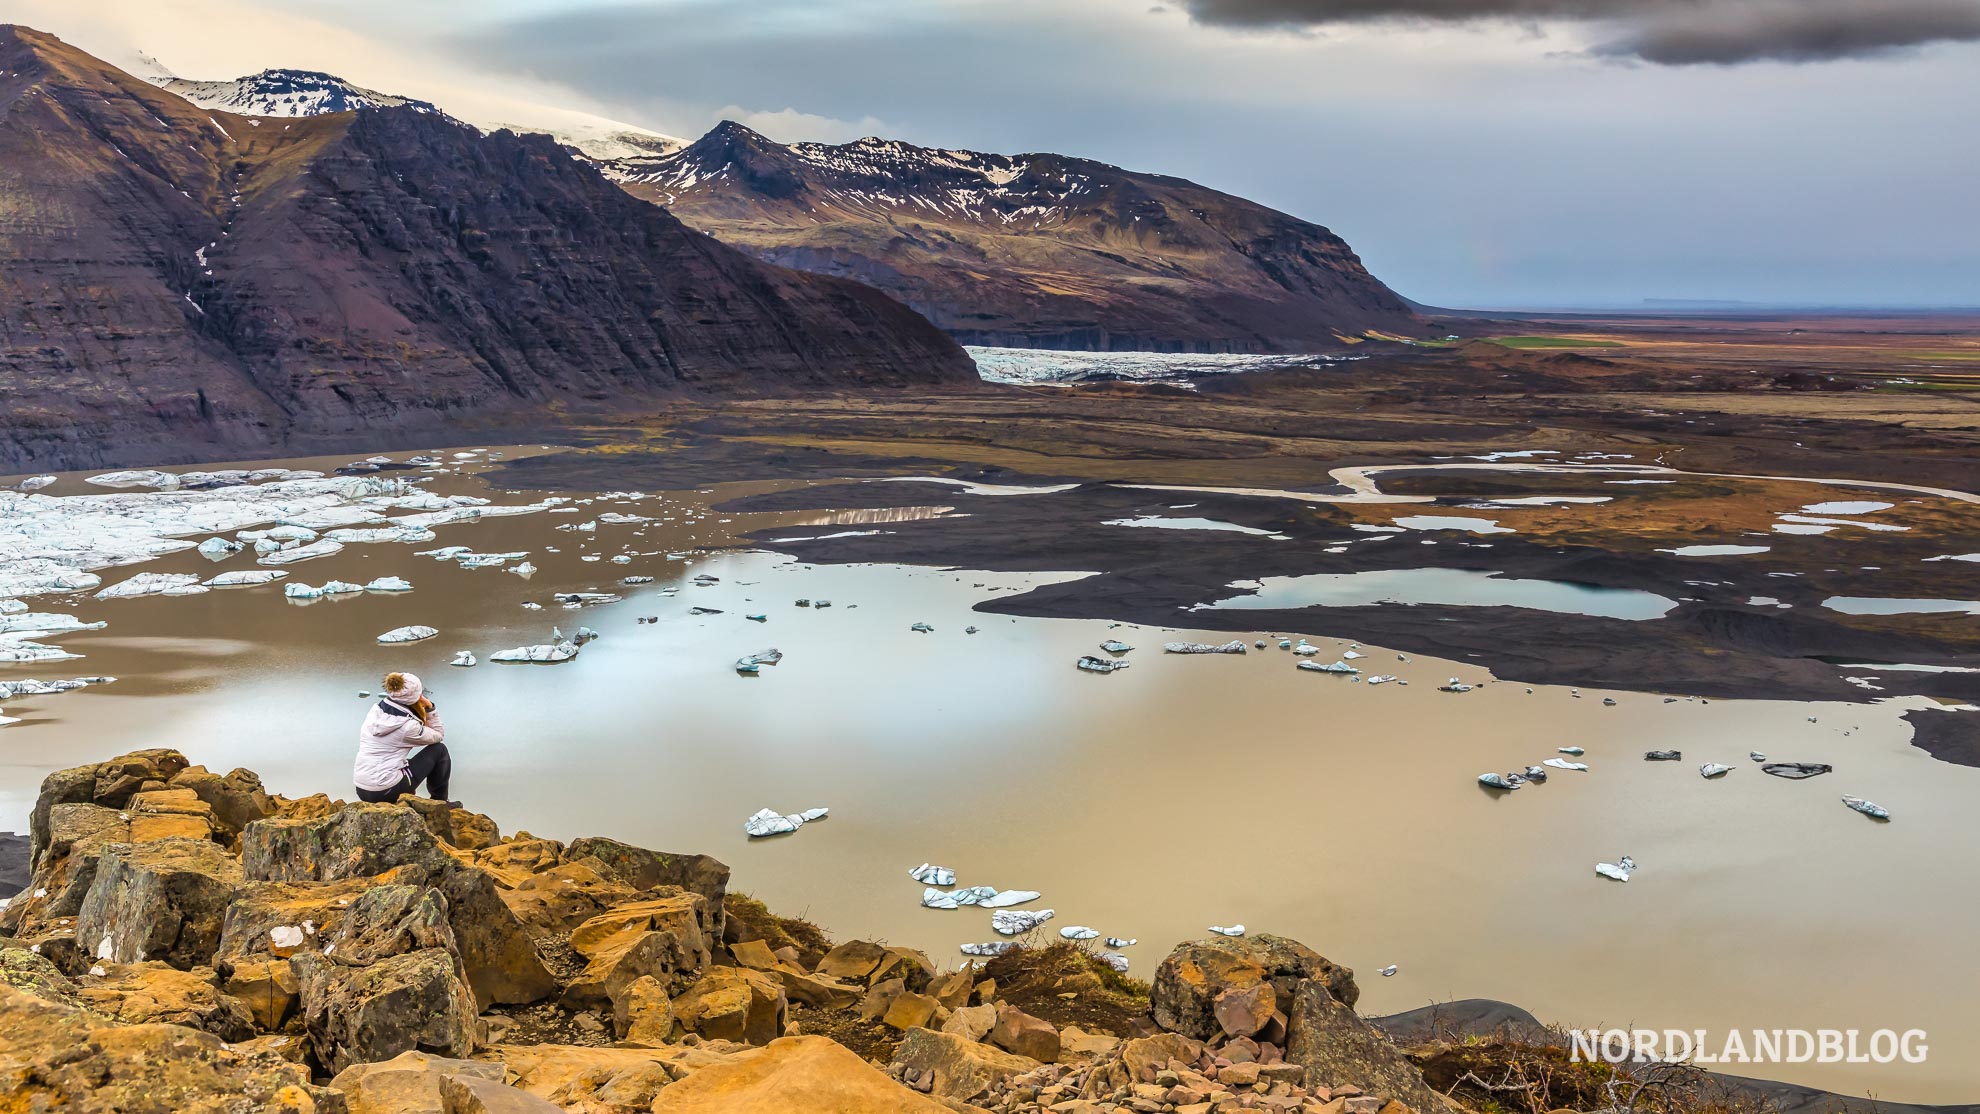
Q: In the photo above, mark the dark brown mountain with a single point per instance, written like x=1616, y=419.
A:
x=1029, y=250
x=179, y=283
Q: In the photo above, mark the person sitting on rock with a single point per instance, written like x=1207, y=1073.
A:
x=402, y=745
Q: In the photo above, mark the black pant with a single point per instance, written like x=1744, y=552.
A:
x=429, y=764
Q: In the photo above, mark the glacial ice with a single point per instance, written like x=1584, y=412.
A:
x=1232, y=647
x=323, y=547
x=767, y=822
x=1868, y=808
x=929, y=874
x=541, y=654
x=219, y=549
x=407, y=634
x=1564, y=764
x=1079, y=932
x=245, y=578
x=463, y=658
x=154, y=584
x=1233, y=930
x=1091, y=664
x=1012, y=922
x=389, y=584
x=300, y=591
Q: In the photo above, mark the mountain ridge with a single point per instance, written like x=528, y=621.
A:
x=1029, y=250
x=183, y=282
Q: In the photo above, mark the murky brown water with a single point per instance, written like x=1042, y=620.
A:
x=1150, y=803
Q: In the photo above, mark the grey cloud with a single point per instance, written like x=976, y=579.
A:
x=1664, y=32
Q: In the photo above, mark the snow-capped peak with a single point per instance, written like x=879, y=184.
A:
x=284, y=93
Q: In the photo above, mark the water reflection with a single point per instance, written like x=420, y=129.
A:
x=1446, y=587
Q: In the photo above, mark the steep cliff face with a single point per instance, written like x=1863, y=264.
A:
x=1029, y=250
x=178, y=283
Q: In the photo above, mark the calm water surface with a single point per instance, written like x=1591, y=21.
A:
x=1149, y=803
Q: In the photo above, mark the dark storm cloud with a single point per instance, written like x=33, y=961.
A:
x=1665, y=32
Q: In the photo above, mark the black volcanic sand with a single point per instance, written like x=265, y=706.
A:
x=1946, y=735
x=1717, y=646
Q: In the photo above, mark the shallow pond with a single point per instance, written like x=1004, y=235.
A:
x=1446, y=587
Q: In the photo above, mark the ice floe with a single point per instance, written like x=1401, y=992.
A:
x=408, y=634
x=1014, y=922
x=1620, y=871
x=541, y=654
x=1868, y=808
x=1231, y=930
x=768, y=822
x=1091, y=664
x=246, y=578
x=1232, y=647
x=154, y=584
x=929, y=874
x=322, y=547
x=463, y=658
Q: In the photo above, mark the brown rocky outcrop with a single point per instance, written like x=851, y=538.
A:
x=1188, y=983
x=956, y=1068
x=1331, y=1041
x=411, y=1002
x=793, y=1074
x=163, y=900
x=146, y=993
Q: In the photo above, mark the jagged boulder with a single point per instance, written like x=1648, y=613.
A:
x=55, y=1056
x=170, y=814
x=958, y=1069
x=418, y=1083
x=24, y=969
x=733, y=1003
x=1019, y=1032
x=236, y=799
x=415, y=1001
x=70, y=845
x=278, y=919
x=163, y=900
x=793, y=1074
x=870, y=964
x=146, y=993
x=457, y=827
x=660, y=937
x=110, y=784
x=645, y=870
x=268, y=988
x=643, y=1013
x=563, y=896
x=363, y=841
x=1189, y=981
x=1333, y=1043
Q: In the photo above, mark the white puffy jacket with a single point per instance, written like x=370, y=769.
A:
x=390, y=735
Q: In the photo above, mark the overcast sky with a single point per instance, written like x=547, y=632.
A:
x=1493, y=153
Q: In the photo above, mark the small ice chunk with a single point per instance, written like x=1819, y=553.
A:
x=246, y=578
x=389, y=584
x=1079, y=932
x=1233, y=930
x=1008, y=897
x=1115, y=646
x=752, y=663
x=1663, y=756
x=219, y=549
x=929, y=874
x=1013, y=922
x=1091, y=664
x=1119, y=942
x=767, y=822
x=154, y=584
x=463, y=658
x=1868, y=808
x=1500, y=781
x=1232, y=647
x=541, y=654
x=922, y=628
x=1576, y=751
x=1386, y=972
x=1115, y=960
x=1714, y=769
x=1564, y=764
x=407, y=634
x=993, y=948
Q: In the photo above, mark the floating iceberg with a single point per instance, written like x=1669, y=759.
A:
x=993, y=948
x=1714, y=769
x=246, y=578
x=463, y=658
x=366, y=535
x=929, y=874
x=300, y=591
x=1564, y=764
x=973, y=895
x=135, y=478
x=389, y=584
x=1506, y=782
x=753, y=663
x=1663, y=756
x=1115, y=646
x=1116, y=960
x=11, y=689
x=1013, y=922
x=1232, y=647
x=524, y=570
x=1536, y=773
x=309, y=552
x=1233, y=930
x=1339, y=667
x=1620, y=871
x=1079, y=932
x=542, y=654
x=922, y=628
x=1005, y=898
x=1867, y=808
x=40, y=624
x=768, y=823
x=24, y=651
x=219, y=549
x=1381, y=678
x=1388, y=971
x=1454, y=685
x=1100, y=665
x=154, y=584
x=407, y=634
x=1119, y=942
x=34, y=483
x=1576, y=751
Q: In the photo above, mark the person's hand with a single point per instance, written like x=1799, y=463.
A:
x=424, y=708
